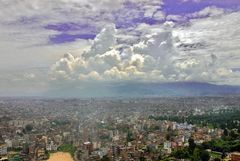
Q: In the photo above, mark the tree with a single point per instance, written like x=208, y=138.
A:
x=28, y=128
x=192, y=145
x=196, y=154
x=105, y=158
x=16, y=158
x=204, y=155
x=168, y=137
x=233, y=134
x=130, y=136
x=181, y=154
x=142, y=158
x=225, y=132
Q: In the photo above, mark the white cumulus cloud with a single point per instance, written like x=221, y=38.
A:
x=157, y=57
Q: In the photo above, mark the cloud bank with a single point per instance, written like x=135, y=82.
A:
x=157, y=57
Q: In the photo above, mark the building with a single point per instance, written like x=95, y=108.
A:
x=167, y=145
x=235, y=156
x=51, y=146
x=88, y=146
x=9, y=143
x=3, y=149
x=40, y=153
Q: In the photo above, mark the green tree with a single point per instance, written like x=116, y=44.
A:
x=233, y=134
x=216, y=159
x=130, y=136
x=142, y=158
x=16, y=158
x=225, y=132
x=196, y=155
x=28, y=128
x=168, y=137
x=192, y=145
x=204, y=155
x=105, y=158
x=181, y=154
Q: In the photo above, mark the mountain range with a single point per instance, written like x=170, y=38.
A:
x=176, y=89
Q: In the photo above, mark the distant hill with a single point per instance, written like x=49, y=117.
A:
x=175, y=89
x=178, y=89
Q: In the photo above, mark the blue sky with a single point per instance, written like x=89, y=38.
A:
x=47, y=45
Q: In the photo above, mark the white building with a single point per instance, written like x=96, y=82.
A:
x=167, y=145
x=9, y=143
x=51, y=146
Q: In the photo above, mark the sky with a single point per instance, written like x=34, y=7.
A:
x=56, y=45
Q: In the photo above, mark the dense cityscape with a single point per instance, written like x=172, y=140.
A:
x=115, y=129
